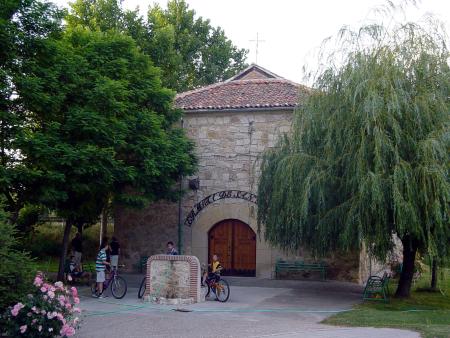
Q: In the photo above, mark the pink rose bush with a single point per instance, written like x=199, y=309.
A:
x=50, y=310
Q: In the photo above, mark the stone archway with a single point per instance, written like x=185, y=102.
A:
x=235, y=243
x=243, y=211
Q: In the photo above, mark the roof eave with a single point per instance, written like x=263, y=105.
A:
x=231, y=110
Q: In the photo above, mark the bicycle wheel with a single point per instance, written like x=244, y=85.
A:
x=222, y=290
x=118, y=287
x=142, y=288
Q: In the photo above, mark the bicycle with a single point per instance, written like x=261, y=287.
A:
x=142, y=288
x=117, y=284
x=219, y=287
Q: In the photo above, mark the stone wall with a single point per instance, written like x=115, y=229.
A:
x=229, y=146
x=145, y=232
x=169, y=279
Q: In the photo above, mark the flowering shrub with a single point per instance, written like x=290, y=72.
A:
x=49, y=311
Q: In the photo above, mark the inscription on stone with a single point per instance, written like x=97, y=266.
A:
x=220, y=195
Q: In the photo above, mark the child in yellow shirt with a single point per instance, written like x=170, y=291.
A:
x=214, y=269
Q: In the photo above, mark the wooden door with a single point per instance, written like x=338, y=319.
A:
x=235, y=243
x=220, y=243
x=244, y=249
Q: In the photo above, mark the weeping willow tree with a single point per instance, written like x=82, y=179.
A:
x=367, y=159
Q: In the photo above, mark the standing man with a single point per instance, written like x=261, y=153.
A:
x=100, y=267
x=171, y=249
x=77, y=249
x=115, y=252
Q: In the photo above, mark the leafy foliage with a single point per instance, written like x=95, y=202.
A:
x=28, y=217
x=189, y=51
x=368, y=157
x=100, y=127
x=16, y=265
x=44, y=243
x=101, y=116
x=24, y=24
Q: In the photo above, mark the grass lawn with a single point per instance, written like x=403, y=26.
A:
x=51, y=264
x=47, y=265
x=425, y=312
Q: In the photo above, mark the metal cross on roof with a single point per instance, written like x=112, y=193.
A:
x=257, y=45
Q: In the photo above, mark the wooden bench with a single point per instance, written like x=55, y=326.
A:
x=297, y=266
x=377, y=288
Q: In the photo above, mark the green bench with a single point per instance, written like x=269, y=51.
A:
x=377, y=288
x=143, y=264
x=298, y=266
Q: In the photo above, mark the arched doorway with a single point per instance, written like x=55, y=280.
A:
x=235, y=243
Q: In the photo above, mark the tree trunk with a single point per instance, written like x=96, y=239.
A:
x=12, y=207
x=104, y=224
x=80, y=228
x=65, y=245
x=434, y=274
x=407, y=274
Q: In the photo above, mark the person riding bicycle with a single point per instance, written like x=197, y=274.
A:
x=214, y=270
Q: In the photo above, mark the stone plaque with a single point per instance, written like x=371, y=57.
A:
x=173, y=279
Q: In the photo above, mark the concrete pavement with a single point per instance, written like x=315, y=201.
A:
x=257, y=308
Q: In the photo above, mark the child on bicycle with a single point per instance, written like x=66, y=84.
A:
x=214, y=270
x=100, y=267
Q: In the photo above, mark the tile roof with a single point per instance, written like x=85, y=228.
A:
x=253, y=88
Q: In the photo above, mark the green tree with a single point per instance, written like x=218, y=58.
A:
x=102, y=127
x=102, y=15
x=368, y=156
x=189, y=51
x=24, y=24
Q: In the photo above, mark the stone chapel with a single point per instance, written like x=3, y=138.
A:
x=232, y=123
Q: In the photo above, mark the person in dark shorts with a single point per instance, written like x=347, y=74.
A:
x=115, y=252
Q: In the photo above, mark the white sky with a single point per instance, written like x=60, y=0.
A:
x=292, y=29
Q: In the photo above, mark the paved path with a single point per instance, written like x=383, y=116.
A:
x=270, y=309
